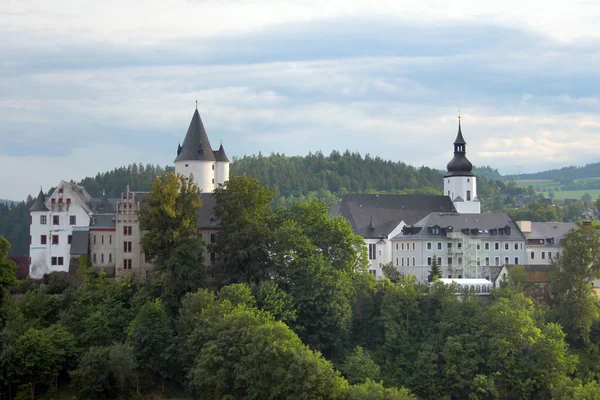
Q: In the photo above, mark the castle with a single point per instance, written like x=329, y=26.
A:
x=70, y=223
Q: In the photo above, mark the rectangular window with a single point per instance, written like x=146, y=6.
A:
x=532, y=255
x=468, y=195
x=94, y=239
x=55, y=220
x=60, y=261
x=102, y=239
x=478, y=246
x=372, y=251
x=69, y=239
x=439, y=263
x=109, y=239
x=505, y=260
x=94, y=258
x=516, y=246
x=127, y=264
x=60, y=201
x=31, y=220
x=428, y=260
x=397, y=261
x=373, y=272
x=53, y=201
x=402, y=261
x=110, y=258
x=478, y=261
x=126, y=247
x=69, y=202
x=213, y=167
x=213, y=237
x=516, y=260
x=43, y=239
x=550, y=255
x=414, y=262
x=497, y=260
x=401, y=246
x=60, y=191
x=543, y=255
x=428, y=245
x=449, y=261
x=54, y=260
x=505, y=246
x=439, y=246
x=397, y=246
x=487, y=246
x=213, y=257
x=497, y=246
x=487, y=261
x=54, y=239
x=102, y=258
x=127, y=231
x=449, y=245
x=413, y=245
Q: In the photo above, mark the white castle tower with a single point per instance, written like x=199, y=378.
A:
x=460, y=184
x=209, y=167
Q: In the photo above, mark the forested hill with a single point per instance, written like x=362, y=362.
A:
x=338, y=173
x=566, y=173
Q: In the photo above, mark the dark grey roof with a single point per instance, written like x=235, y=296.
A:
x=104, y=205
x=80, y=241
x=103, y=221
x=547, y=230
x=485, y=224
x=385, y=211
x=459, y=165
x=537, y=267
x=220, y=154
x=195, y=145
x=205, y=216
x=40, y=203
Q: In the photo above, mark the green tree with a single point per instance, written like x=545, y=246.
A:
x=8, y=269
x=371, y=390
x=435, y=272
x=391, y=272
x=359, y=367
x=171, y=239
x=575, y=305
x=150, y=335
x=245, y=217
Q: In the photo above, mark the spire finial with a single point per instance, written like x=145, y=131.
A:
x=196, y=104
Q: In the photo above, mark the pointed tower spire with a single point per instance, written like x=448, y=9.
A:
x=196, y=146
x=460, y=165
x=40, y=202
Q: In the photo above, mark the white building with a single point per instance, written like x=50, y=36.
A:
x=473, y=246
x=544, y=240
x=51, y=227
x=210, y=168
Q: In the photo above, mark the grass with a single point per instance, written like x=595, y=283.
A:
x=574, y=194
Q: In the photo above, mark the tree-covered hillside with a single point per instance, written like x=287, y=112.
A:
x=566, y=173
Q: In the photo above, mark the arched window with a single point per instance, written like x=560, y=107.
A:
x=478, y=289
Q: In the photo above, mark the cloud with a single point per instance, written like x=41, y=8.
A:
x=388, y=86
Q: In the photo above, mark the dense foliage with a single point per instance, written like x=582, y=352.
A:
x=294, y=316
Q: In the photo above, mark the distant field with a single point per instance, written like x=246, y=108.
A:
x=574, y=194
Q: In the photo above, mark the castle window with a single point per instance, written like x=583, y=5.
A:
x=497, y=246
x=414, y=263
x=505, y=260
x=102, y=258
x=213, y=181
x=60, y=201
x=543, y=255
x=43, y=239
x=94, y=258
x=187, y=165
x=102, y=239
x=487, y=261
x=428, y=260
x=372, y=251
x=468, y=180
x=72, y=220
x=55, y=220
x=127, y=231
x=402, y=261
x=439, y=245
x=69, y=239
x=109, y=239
x=110, y=258
x=54, y=239
x=60, y=191
x=449, y=261
x=213, y=167
x=532, y=255
x=213, y=237
x=54, y=260
x=126, y=247
x=505, y=246
x=428, y=245
x=468, y=195
x=497, y=260
x=487, y=246
x=53, y=201
x=516, y=260
x=69, y=202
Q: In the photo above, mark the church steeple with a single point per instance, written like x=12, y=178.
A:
x=196, y=146
x=460, y=165
x=40, y=202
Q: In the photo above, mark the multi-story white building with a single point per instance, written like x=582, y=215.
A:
x=51, y=227
x=471, y=246
x=71, y=223
x=544, y=240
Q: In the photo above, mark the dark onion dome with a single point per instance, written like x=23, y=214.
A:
x=459, y=165
x=40, y=203
x=196, y=146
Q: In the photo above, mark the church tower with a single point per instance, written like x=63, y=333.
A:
x=209, y=167
x=460, y=184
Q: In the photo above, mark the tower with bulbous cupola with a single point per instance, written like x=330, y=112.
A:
x=196, y=157
x=460, y=183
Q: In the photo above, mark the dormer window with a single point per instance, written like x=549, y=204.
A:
x=60, y=191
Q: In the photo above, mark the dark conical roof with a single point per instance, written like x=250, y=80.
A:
x=459, y=137
x=196, y=146
x=220, y=154
x=459, y=165
x=40, y=203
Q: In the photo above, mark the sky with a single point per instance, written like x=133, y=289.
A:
x=89, y=86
